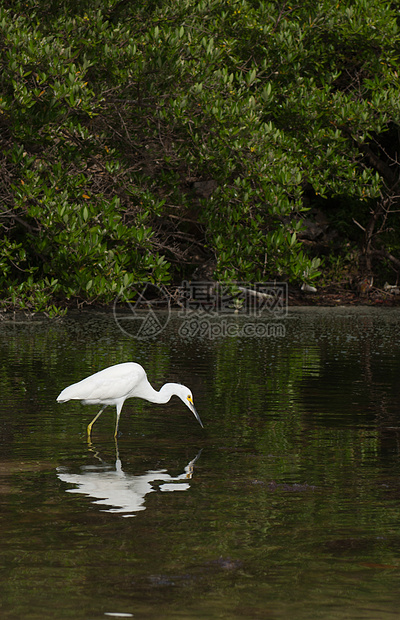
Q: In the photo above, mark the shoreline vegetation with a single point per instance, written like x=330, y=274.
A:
x=329, y=297
x=220, y=140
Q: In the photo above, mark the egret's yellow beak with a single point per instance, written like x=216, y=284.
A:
x=193, y=410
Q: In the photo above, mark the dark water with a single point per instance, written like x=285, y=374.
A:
x=287, y=504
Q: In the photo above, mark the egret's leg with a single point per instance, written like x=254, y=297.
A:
x=119, y=407
x=116, y=426
x=89, y=428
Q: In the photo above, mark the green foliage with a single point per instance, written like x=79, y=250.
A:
x=111, y=114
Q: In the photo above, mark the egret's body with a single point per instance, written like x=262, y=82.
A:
x=113, y=385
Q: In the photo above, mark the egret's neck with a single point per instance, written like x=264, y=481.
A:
x=163, y=396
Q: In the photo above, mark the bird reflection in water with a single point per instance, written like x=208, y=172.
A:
x=123, y=492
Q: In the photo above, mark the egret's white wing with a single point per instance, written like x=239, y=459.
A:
x=109, y=384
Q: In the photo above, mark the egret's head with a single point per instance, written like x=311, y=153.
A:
x=186, y=396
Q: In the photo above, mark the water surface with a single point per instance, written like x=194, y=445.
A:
x=287, y=504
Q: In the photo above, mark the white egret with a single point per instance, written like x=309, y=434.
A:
x=113, y=385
